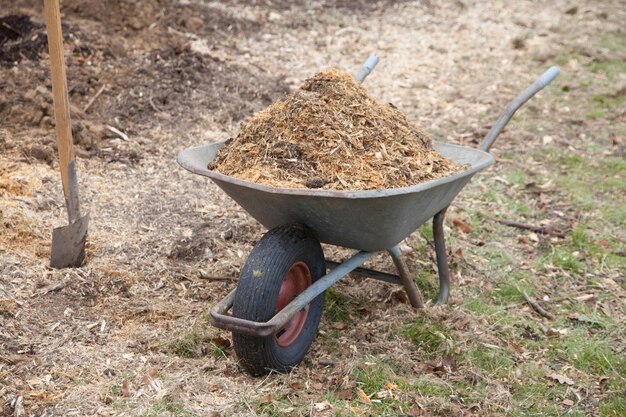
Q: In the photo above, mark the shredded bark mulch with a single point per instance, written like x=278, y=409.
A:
x=332, y=134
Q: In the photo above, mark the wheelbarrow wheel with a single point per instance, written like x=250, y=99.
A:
x=286, y=261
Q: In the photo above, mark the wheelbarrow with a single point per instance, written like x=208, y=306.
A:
x=276, y=308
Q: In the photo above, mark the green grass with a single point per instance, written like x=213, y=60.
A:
x=613, y=42
x=495, y=362
x=478, y=306
x=508, y=292
x=579, y=237
x=565, y=59
x=427, y=231
x=187, y=345
x=593, y=183
x=337, y=306
x=563, y=257
x=611, y=68
x=372, y=376
x=167, y=406
x=614, y=406
x=591, y=354
x=427, y=282
x=278, y=406
x=602, y=104
x=428, y=337
x=195, y=344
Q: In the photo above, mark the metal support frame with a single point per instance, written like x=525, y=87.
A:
x=442, y=258
x=415, y=296
x=403, y=278
x=220, y=317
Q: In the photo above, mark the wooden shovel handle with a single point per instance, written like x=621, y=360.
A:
x=59, y=91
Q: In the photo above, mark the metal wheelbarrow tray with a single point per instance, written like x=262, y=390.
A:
x=279, y=299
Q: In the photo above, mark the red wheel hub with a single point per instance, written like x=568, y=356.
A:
x=296, y=280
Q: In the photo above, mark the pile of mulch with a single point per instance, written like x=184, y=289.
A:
x=331, y=134
x=20, y=39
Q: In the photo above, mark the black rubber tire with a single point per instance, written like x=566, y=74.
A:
x=257, y=296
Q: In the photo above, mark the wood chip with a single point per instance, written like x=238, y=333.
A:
x=332, y=134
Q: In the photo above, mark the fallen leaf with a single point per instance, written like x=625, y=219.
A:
x=544, y=200
x=462, y=323
x=608, y=282
x=603, y=243
x=344, y=394
x=383, y=394
x=462, y=226
x=515, y=346
x=557, y=332
x=391, y=386
x=324, y=405
x=363, y=396
x=267, y=398
x=561, y=379
x=568, y=402
x=450, y=363
x=603, y=381
x=415, y=411
x=125, y=391
x=220, y=341
x=338, y=325
x=617, y=140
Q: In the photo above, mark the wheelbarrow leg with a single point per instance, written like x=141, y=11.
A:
x=415, y=296
x=442, y=258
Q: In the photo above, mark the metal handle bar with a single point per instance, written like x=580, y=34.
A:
x=366, y=68
x=545, y=79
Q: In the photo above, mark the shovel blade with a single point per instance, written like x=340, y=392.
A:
x=68, y=244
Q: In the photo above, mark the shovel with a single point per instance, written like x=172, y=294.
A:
x=68, y=242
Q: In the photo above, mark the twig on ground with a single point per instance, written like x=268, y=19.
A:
x=544, y=230
x=154, y=107
x=53, y=287
x=93, y=99
x=536, y=306
x=205, y=275
x=118, y=132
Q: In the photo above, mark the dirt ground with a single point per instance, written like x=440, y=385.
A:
x=127, y=333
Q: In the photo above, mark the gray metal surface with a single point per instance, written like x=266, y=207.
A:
x=367, y=68
x=442, y=258
x=545, y=79
x=68, y=244
x=372, y=220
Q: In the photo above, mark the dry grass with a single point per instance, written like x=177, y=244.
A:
x=88, y=341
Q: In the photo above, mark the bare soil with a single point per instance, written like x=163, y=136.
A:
x=127, y=333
